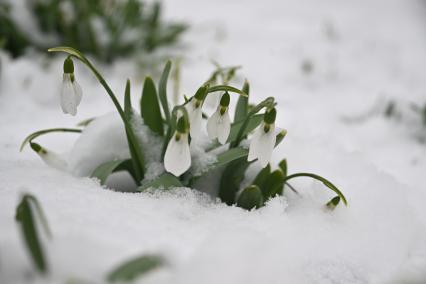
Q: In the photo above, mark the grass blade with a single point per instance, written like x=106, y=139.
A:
x=132, y=269
x=162, y=90
x=164, y=181
x=103, y=171
x=150, y=108
x=24, y=216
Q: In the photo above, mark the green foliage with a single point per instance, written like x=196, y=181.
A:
x=251, y=197
x=150, y=108
x=232, y=161
x=132, y=269
x=103, y=29
x=26, y=218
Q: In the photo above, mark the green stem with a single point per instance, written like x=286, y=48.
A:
x=326, y=182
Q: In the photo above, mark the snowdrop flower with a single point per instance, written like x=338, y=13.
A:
x=195, y=114
x=71, y=91
x=263, y=140
x=219, y=124
x=177, y=158
x=50, y=158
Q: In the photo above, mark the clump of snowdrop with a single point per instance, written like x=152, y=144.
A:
x=174, y=132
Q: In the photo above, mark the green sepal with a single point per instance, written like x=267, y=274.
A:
x=103, y=171
x=251, y=197
x=150, y=107
x=134, y=268
x=68, y=65
x=165, y=181
x=270, y=116
x=332, y=204
x=225, y=99
x=201, y=93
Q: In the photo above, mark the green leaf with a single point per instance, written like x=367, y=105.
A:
x=150, y=108
x=164, y=181
x=24, y=216
x=226, y=88
x=103, y=171
x=132, y=269
x=283, y=166
x=127, y=101
x=251, y=197
x=231, y=179
x=241, y=110
x=34, y=135
x=262, y=176
x=326, y=182
x=273, y=184
x=134, y=145
x=162, y=90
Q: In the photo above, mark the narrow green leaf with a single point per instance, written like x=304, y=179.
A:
x=103, y=171
x=127, y=101
x=226, y=88
x=262, y=176
x=132, y=269
x=273, y=184
x=326, y=182
x=231, y=178
x=251, y=197
x=24, y=216
x=162, y=90
x=34, y=135
x=283, y=166
x=241, y=110
x=164, y=181
x=150, y=108
x=253, y=122
x=86, y=122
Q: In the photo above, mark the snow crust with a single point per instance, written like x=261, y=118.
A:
x=359, y=52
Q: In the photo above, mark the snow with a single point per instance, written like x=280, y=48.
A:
x=360, y=53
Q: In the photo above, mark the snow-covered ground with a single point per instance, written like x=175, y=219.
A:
x=361, y=53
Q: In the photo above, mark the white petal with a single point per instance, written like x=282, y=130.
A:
x=266, y=146
x=212, y=125
x=53, y=160
x=78, y=92
x=195, y=119
x=223, y=127
x=68, y=102
x=254, y=144
x=177, y=158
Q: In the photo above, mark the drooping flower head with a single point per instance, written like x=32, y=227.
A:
x=177, y=158
x=219, y=124
x=50, y=158
x=263, y=141
x=195, y=112
x=71, y=92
